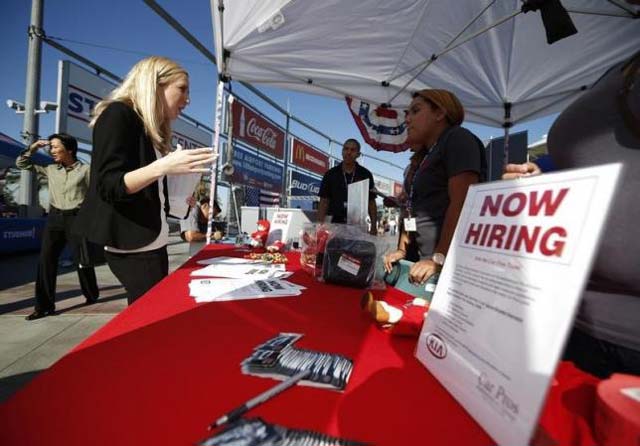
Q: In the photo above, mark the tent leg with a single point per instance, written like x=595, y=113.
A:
x=506, y=125
x=214, y=166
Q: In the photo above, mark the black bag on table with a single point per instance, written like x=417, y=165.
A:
x=349, y=262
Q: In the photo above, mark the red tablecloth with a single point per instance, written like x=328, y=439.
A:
x=166, y=367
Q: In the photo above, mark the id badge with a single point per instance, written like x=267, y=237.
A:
x=410, y=224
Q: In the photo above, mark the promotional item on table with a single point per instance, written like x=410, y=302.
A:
x=278, y=358
x=256, y=432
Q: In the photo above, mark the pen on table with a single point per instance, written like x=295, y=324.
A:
x=253, y=402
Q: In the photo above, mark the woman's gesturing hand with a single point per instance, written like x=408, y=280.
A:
x=187, y=161
x=393, y=257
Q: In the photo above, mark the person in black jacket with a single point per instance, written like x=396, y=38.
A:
x=127, y=203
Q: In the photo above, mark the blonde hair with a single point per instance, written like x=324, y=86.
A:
x=140, y=91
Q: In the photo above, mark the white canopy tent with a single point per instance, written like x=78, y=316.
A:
x=491, y=55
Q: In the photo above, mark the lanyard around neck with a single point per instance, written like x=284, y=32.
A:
x=344, y=175
x=412, y=183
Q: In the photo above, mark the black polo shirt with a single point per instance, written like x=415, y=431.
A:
x=457, y=150
x=334, y=188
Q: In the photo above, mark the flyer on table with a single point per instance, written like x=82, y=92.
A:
x=508, y=292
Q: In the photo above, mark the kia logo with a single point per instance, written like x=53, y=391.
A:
x=436, y=346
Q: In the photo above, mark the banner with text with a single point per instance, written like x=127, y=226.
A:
x=508, y=292
x=251, y=128
x=397, y=189
x=304, y=185
x=306, y=188
x=383, y=185
x=251, y=170
x=80, y=90
x=305, y=156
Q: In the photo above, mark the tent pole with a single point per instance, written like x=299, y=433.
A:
x=214, y=169
x=506, y=125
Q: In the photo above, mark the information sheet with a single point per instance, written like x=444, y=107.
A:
x=508, y=292
x=279, y=227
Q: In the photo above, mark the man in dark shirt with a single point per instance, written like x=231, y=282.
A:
x=335, y=183
x=68, y=181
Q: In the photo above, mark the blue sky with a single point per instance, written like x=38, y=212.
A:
x=123, y=31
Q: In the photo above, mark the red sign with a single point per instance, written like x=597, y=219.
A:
x=251, y=128
x=305, y=156
x=397, y=189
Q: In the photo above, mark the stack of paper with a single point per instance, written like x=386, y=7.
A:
x=235, y=268
x=220, y=290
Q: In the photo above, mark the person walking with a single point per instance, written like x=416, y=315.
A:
x=68, y=181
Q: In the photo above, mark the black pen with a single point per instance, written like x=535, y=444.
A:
x=253, y=402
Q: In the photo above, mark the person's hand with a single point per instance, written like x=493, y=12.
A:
x=180, y=162
x=38, y=145
x=512, y=171
x=422, y=270
x=393, y=257
x=191, y=201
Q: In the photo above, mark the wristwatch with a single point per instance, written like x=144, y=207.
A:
x=438, y=258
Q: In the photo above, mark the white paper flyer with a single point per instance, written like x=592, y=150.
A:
x=508, y=292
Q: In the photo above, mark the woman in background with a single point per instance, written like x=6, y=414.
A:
x=126, y=207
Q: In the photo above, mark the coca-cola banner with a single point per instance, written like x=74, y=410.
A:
x=251, y=128
x=305, y=156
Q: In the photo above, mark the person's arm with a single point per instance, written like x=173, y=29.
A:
x=323, y=193
x=178, y=162
x=116, y=162
x=457, y=186
x=24, y=162
x=400, y=253
x=194, y=236
x=373, y=215
x=323, y=208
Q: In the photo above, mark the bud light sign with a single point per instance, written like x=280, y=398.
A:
x=251, y=128
x=304, y=185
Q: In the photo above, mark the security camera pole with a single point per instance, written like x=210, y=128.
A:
x=27, y=198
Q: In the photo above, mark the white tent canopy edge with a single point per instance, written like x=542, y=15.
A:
x=495, y=58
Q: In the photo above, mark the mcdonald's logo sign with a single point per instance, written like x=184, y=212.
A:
x=299, y=152
x=305, y=156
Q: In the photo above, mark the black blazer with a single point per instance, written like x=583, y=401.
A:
x=110, y=216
